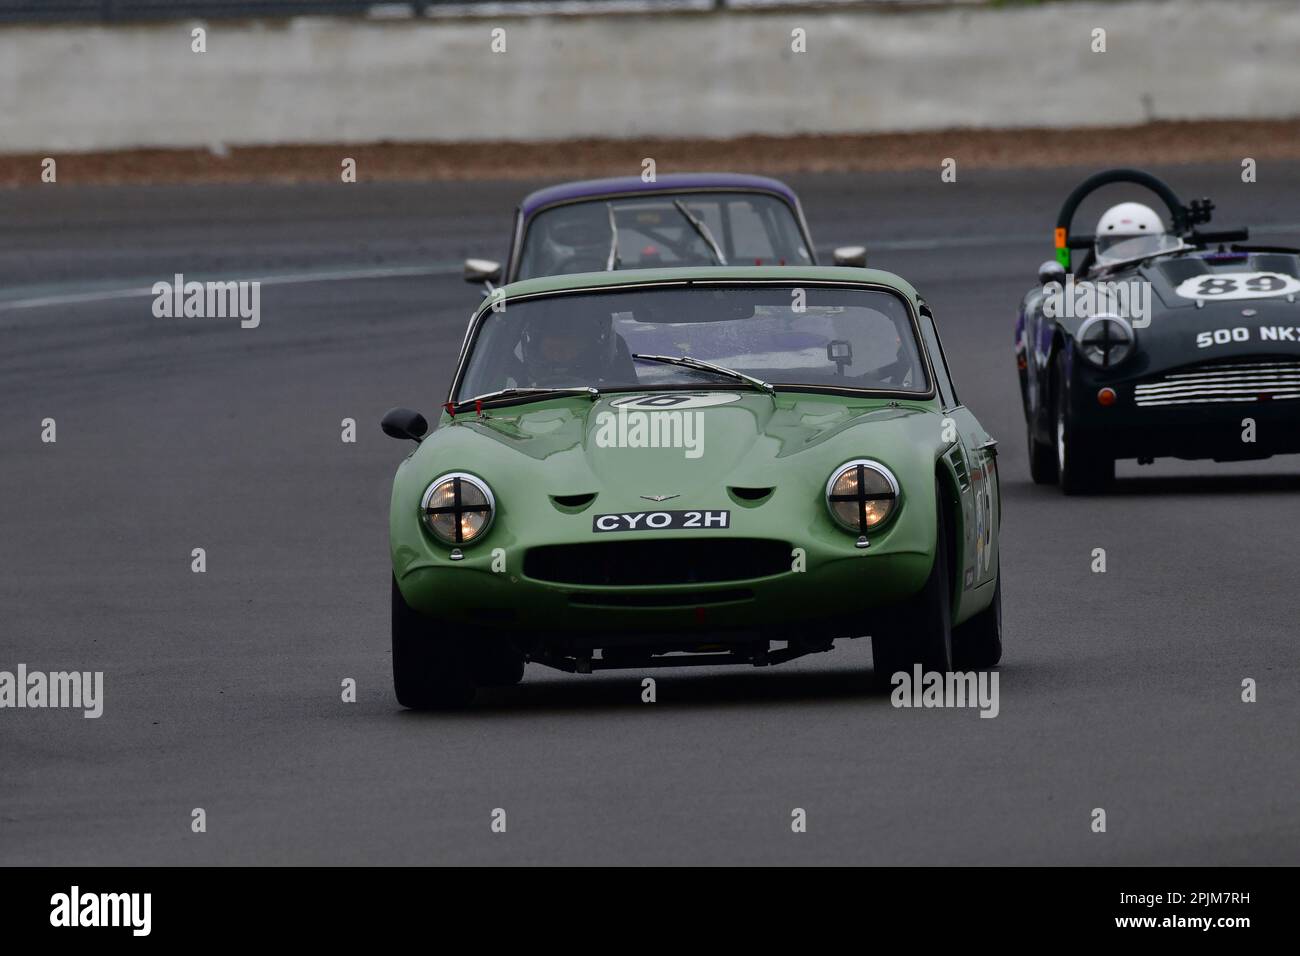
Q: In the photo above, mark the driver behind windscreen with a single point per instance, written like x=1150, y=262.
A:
x=577, y=239
x=573, y=343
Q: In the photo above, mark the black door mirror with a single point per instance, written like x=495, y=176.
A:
x=404, y=423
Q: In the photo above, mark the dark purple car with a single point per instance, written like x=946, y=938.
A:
x=689, y=219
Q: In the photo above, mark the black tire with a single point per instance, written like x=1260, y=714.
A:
x=1083, y=466
x=920, y=630
x=429, y=669
x=1042, y=458
x=494, y=661
x=977, y=643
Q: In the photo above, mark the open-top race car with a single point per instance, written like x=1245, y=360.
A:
x=693, y=466
x=1166, y=340
x=682, y=219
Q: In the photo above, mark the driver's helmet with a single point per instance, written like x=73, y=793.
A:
x=578, y=239
x=570, y=346
x=1131, y=231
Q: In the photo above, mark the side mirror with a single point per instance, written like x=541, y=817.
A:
x=1051, y=271
x=482, y=270
x=404, y=423
x=851, y=256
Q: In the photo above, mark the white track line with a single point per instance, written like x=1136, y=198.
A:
x=388, y=272
x=447, y=269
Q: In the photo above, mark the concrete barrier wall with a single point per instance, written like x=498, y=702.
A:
x=77, y=88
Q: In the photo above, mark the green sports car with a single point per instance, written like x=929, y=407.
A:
x=693, y=466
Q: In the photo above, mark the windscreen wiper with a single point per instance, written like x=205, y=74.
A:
x=685, y=361
x=701, y=230
x=506, y=396
x=612, y=262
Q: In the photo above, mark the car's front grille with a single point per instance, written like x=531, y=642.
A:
x=641, y=598
x=1259, y=381
x=674, y=561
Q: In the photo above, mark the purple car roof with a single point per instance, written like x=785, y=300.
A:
x=672, y=182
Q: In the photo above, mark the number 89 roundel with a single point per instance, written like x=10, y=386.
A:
x=1237, y=285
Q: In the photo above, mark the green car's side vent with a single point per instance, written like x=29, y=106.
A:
x=959, y=466
x=572, y=504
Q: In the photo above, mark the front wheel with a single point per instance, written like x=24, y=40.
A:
x=977, y=643
x=920, y=630
x=1042, y=458
x=1083, y=467
x=429, y=668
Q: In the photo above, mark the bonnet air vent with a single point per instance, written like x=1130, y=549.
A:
x=752, y=495
x=572, y=504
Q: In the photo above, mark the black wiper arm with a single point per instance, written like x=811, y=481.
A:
x=503, y=396
x=685, y=361
x=702, y=231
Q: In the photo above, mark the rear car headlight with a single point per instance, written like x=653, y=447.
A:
x=457, y=508
x=862, y=495
x=1105, y=340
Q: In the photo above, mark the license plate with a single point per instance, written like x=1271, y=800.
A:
x=663, y=521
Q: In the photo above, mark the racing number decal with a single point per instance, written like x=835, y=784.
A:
x=675, y=400
x=1237, y=285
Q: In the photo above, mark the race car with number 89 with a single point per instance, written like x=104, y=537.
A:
x=1166, y=340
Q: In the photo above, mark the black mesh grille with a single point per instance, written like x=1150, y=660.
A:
x=677, y=561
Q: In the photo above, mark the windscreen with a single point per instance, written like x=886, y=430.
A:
x=843, y=337
x=661, y=230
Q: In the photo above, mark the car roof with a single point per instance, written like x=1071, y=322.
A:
x=738, y=274
x=670, y=182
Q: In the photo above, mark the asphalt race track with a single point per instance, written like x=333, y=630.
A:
x=222, y=690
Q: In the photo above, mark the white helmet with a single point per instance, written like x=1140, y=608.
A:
x=1131, y=231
